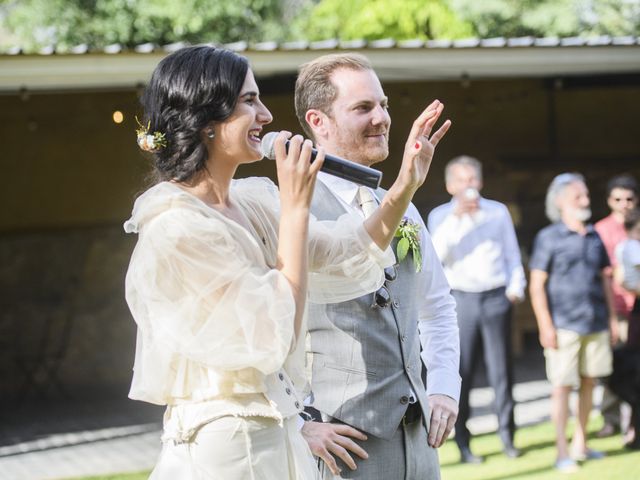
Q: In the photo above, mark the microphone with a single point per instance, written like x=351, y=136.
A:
x=332, y=165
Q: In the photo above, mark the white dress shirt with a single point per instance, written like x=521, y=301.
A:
x=437, y=320
x=479, y=251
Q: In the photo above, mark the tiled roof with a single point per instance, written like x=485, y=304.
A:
x=116, y=66
x=335, y=44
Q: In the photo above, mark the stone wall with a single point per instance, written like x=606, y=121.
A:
x=63, y=308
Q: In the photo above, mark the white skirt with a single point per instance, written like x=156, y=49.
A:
x=239, y=448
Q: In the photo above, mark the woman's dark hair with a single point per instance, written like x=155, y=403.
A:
x=188, y=89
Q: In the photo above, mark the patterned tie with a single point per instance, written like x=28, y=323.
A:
x=367, y=201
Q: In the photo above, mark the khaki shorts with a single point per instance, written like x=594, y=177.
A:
x=578, y=356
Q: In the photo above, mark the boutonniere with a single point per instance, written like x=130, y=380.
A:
x=408, y=233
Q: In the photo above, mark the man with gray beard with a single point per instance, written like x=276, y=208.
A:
x=573, y=303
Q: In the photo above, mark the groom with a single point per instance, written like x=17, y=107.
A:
x=378, y=419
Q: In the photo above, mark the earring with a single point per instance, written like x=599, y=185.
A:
x=211, y=134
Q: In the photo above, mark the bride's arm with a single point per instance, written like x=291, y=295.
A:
x=296, y=178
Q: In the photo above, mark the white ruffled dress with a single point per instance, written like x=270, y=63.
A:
x=215, y=336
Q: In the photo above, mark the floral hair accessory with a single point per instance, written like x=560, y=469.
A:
x=150, y=142
x=409, y=240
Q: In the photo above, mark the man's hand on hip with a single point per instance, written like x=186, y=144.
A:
x=444, y=411
x=328, y=439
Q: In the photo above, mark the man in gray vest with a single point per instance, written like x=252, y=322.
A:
x=378, y=419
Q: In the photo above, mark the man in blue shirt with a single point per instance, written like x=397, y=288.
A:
x=572, y=300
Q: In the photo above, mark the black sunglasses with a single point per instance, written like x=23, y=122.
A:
x=382, y=297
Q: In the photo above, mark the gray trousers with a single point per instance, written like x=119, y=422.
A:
x=484, y=320
x=406, y=456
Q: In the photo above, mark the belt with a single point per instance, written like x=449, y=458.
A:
x=413, y=414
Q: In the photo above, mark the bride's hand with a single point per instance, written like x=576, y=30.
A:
x=296, y=173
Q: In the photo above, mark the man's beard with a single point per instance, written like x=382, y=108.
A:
x=378, y=153
x=581, y=214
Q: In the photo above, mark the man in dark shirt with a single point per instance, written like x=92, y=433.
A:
x=572, y=300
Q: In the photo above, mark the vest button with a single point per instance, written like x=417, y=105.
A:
x=281, y=376
x=396, y=303
x=403, y=338
x=404, y=400
x=297, y=404
x=288, y=390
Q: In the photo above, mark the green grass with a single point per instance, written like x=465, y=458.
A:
x=537, y=444
x=539, y=455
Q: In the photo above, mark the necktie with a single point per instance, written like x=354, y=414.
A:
x=367, y=201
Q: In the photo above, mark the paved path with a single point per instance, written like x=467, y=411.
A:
x=59, y=441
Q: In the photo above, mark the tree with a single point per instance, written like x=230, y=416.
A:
x=131, y=22
x=543, y=18
x=374, y=19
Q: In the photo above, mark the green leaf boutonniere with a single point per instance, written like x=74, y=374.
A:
x=408, y=233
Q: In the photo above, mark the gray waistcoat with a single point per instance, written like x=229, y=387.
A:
x=366, y=360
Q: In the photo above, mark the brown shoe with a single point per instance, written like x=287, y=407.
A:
x=608, y=430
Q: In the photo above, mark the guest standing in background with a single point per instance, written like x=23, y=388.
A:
x=571, y=297
x=477, y=245
x=622, y=197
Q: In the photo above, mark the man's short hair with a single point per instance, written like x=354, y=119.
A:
x=625, y=182
x=314, y=89
x=465, y=160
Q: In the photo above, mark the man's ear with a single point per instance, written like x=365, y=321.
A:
x=450, y=190
x=318, y=123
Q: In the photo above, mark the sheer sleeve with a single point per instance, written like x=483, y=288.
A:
x=344, y=262
x=194, y=289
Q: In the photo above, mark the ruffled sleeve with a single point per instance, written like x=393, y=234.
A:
x=344, y=262
x=194, y=289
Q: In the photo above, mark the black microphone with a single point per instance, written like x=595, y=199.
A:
x=332, y=165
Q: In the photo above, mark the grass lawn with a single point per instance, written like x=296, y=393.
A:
x=537, y=444
x=538, y=447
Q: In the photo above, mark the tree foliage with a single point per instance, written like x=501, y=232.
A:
x=36, y=23
x=131, y=22
x=375, y=19
x=544, y=18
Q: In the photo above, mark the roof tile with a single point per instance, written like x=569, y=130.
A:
x=413, y=43
x=328, y=44
x=353, y=44
x=145, y=48
x=113, y=48
x=466, y=43
x=497, y=42
x=382, y=43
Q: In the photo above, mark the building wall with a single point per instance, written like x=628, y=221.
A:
x=71, y=176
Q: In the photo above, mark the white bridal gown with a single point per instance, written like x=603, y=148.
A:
x=215, y=339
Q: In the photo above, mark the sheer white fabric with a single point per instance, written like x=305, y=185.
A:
x=214, y=316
